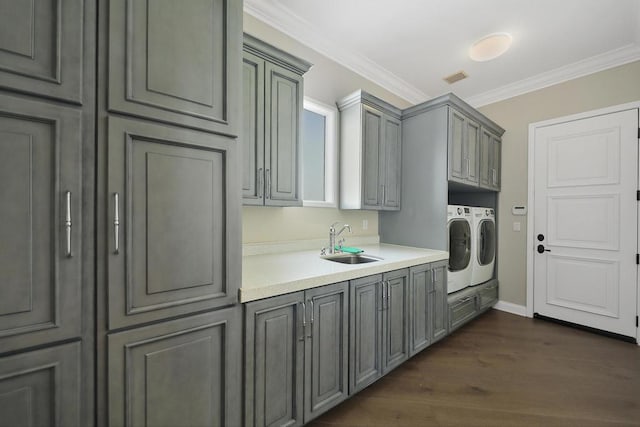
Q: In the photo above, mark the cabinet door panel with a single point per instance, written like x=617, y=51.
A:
x=252, y=130
x=40, y=159
x=176, y=221
x=396, y=348
x=184, y=372
x=496, y=164
x=274, y=362
x=486, y=153
x=457, y=161
x=41, y=47
x=438, y=304
x=372, y=144
x=365, y=336
x=392, y=164
x=284, y=100
x=176, y=61
x=41, y=388
x=420, y=278
x=472, y=146
x=326, y=349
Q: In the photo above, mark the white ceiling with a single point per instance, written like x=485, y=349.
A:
x=409, y=46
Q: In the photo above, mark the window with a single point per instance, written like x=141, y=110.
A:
x=319, y=154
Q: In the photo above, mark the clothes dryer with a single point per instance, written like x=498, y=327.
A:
x=459, y=221
x=483, y=244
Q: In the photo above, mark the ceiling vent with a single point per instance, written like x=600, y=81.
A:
x=460, y=75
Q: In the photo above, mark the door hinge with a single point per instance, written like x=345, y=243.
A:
x=638, y=195
x=638, y=259
x=638, y=133
x=636, y=321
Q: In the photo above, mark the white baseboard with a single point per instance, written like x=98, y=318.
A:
x=512, y=308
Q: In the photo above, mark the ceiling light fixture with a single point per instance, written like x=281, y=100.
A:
x=490, y=47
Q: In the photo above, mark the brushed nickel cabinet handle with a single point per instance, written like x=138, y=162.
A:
x=116, y=223
x=260, y=183
x=67, y=223
x=267, y=179
x=311, y=319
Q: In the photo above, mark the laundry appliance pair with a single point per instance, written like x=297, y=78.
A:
x=472, y=246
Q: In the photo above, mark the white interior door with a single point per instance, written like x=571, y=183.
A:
x=586, y=220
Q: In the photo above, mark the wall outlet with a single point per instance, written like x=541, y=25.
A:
x=365, y=224
x=516, y=226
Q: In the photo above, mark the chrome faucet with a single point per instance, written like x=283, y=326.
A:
x=332, y=237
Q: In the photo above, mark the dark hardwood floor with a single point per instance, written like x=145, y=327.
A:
x=505, y=370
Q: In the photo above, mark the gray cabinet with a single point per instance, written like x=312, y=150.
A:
x=379, y=329
x=487, y=295
x=371, y=153
x=296, y=356
x=40, y=222
x=490, y=166
x=172, y=221
x=174, y=61
x=463, y=142
x=41, y=48
x=272, y=106
x=183, y=372
x=427, y=305
x=42, y=387
x=462, y=308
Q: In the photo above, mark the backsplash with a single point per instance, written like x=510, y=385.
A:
x=265, y=224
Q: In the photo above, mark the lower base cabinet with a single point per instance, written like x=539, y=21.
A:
x=181, y=372
x=379, y=328
x=468, y=303
x=41, y=387
x=296, y=356
x=428, y=307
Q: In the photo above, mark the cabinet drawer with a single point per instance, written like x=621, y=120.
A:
x=461, y=311
x=487, y=295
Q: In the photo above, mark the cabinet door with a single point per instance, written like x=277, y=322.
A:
x=326, y=349
x=457, y=160
x=365, y=332
x=472, y=147
x=183, y=372
x=41, y=48
x=391, y=164
x=40, y=223
x=420, y=285
x=252, y=130
x=372, y=140
x=41, y=388
x=174, y=249
x=497, y=162
x=283, y=106
x=274, y=372
x=486, y=154
x=396, y=327
x=177, y=62
x=439, y=307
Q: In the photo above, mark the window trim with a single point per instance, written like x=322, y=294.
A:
x=330, y=114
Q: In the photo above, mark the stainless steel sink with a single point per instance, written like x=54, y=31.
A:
x=351, y=258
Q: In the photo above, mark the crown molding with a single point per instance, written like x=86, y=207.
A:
x=611, y=59
x=282, y=19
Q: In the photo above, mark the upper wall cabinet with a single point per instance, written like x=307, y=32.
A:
x=41, y=48
x=272, y=103
x=370, y=153
x=172, y=61
x=472, y=140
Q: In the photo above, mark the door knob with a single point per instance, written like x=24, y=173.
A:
x=541, y=249
x=540, y=237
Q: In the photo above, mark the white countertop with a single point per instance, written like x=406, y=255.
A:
x=272, y=274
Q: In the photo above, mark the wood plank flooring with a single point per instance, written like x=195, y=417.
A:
x=505, y=370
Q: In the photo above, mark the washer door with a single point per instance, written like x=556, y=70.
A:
x=459, y=244
x=486, y=242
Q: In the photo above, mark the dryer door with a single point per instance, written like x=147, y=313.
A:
x=486, y=242
x=459, y=244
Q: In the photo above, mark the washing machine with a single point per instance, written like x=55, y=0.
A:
x=459, y=222
x=483, y=244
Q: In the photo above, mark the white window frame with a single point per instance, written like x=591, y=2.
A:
x=330, y=114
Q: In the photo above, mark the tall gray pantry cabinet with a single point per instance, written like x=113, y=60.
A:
x=129, y=319
x=46, y=212
x=169, y=213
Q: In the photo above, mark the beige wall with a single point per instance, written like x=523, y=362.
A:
x=611, y=87
x=327, y=81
